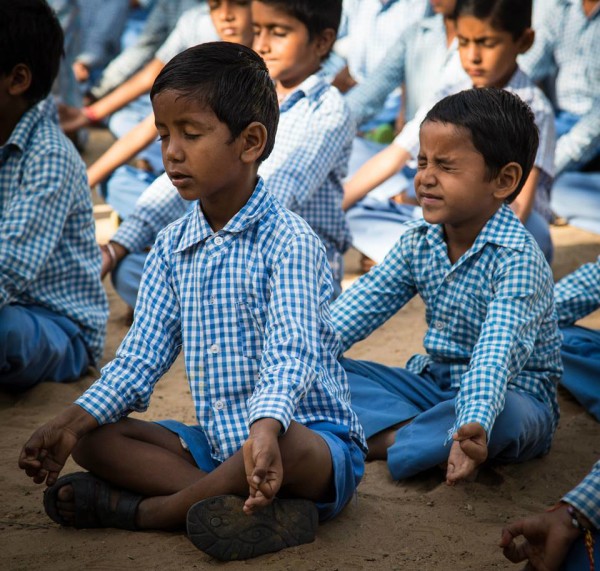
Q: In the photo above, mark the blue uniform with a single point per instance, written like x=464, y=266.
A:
x=493, y=347
x=53, y=308
x=255, y=328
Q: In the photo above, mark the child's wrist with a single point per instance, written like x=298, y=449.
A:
x=110, y=251
x=90, y=114
x=266, y=426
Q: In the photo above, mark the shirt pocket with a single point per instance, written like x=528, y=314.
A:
x=251, y=318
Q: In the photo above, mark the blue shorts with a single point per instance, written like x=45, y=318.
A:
x=385, y=396
x=346, y=456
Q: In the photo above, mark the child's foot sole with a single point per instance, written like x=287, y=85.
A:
x=220, y=528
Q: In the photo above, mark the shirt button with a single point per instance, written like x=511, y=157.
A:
x=219, y=405
x=212, y=299
x=214, y=348
x=218, y=240
x=450, y=278
x=439, y=325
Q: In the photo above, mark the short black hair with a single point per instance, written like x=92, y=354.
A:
x=231, y=80
x=501, y=125
x=316, y=15
x=512, y=16
x=30, y=34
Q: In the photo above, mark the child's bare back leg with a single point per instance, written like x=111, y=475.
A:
x=148, y=459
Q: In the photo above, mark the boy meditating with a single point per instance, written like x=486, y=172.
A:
x=487, y=385
x=243, y=286
x=53, y=308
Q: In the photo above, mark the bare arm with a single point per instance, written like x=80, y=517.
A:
x=375, y=171
x=122, y=150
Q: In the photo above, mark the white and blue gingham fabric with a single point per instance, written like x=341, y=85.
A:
x=249, y=305
x=578, y=294
x=568, y=43
x=585, y=497
x=490, y=316
x=519, y=84
x=304, y=171
x=420, y=59
x=373, y=27
x=310, y=159
x=48, y=250
x=193, y=27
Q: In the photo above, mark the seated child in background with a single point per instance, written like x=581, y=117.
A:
x=243, y=286
x=488, y=381
x=491, y=34
x=312, y=146
x=228, y=20
x=577, y=295
x=566, y=47
x=53, y=308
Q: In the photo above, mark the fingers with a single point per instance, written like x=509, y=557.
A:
x=474, y=450
x=512, y=551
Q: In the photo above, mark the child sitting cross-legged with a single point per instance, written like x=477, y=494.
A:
x=487, y=386
x=242, y=285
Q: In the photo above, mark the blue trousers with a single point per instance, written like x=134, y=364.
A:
x=576, y=194
x=124, y=187
x=39, y=345
x=577, y=559
x=581, y=359
x=385, y=396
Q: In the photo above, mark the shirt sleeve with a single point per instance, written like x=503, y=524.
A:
x=538, y=63
x=376, y=296
x=311, y=159
x=32, y=222
x=581, y=143
x=368, y=97
x=523, y=296
x=578, y=294
x=158, y=206
x=291, y=354
x=146, y=353
x=586, y=496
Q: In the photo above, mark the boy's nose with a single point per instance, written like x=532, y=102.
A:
x=474, y=53
x=260, y=43
x=173, y=152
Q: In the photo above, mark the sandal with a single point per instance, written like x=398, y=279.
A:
x=91, y=497
x=219, y=527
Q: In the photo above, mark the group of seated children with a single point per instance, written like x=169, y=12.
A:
x=243, y=284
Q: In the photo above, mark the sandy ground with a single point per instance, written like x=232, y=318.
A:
x=415, y=525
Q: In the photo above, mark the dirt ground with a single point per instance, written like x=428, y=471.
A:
x=417, y=525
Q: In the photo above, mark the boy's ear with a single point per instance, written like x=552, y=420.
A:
x=19, y=80
x=526, y=40
x=324, y=41
x=508, y=180
x=254, y=140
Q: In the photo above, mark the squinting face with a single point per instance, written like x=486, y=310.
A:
x=232, y=20
x=283, y=42
x=487, y=54
x=451, y=181
x=198, y=154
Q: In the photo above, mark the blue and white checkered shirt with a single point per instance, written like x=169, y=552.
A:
x=193, y=27
x=421, y=59
x=568, y=43
x=249, y=305
x=521, y=85
x=585, y=497
x=490, y=316
x=304, y=171
x=578, y=294
x=48, y=250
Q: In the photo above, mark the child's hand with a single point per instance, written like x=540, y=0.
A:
x=262, y=462
x=469, y=449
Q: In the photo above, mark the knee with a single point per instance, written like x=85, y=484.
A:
x=91, y=446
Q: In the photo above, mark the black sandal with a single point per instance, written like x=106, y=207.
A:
x=91, y=497
x=219, y=527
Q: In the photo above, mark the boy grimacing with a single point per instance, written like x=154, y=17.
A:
x=488, y=381
x=243, y=286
